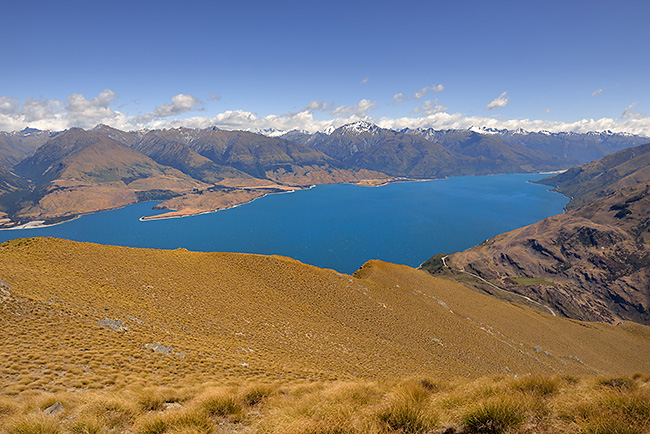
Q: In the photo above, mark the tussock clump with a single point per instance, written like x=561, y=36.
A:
x=430, y=385
x=36, y=424
x=186, y=421
x=225, y=405
x=409, y=409
x=154, y=399
x=254, y=394
x=407, y=418
x=116, y=413
x=8, y=407
x=624, y=413
x=87, y=424
x=493, y=417
x=621, y=383
x=540, y=386
x=337, y=408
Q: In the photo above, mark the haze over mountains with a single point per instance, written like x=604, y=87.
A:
x=51, y=176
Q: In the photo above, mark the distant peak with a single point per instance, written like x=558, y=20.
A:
x=360, y=127
x=268, y=132
x=490, y=130
x=28, y=130
x=100, y=127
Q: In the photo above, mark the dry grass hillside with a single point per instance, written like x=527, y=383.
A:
x=152, y=342
x=236, y=314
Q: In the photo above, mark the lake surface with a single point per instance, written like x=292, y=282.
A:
x=335, y=226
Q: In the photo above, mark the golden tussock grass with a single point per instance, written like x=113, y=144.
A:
x=230, y=316
x=490, y=405
x=214, y=342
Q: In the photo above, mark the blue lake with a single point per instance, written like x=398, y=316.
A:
x=335, y=226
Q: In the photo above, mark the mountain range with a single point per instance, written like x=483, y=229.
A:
x=51, y=176
x=570, y=148
x=422, y=154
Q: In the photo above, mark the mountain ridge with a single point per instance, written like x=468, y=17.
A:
x=591, y=262
x=240, y=165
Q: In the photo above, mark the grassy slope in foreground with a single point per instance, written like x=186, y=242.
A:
x=254, y=343
x=232, y=315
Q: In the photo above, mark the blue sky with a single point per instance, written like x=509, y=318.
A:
x=557, y=65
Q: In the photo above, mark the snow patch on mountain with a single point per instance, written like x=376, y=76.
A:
x=359, y=127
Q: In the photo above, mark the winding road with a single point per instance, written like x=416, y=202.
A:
x=444, y=262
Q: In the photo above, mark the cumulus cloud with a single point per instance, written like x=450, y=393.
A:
x=304, y=120
x=87, y=113
x=640, y=126
x=317, y=106
x=52, y=114
x=8, y=104
x=500, y=101
x=361, y=109
x=430, y=107
x=77, y=110
x=181, y=103
x=214, y=97
x=425, y=90
x=399, y=97
x=597, y=92
x=548, y=110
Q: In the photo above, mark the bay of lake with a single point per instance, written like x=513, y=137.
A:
x=337, y=226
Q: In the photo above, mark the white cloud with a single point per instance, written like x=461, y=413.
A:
x=628, y=113
x=77, y=110
x=361, y=109
x=214, y=97
x=365, y=80
x=430, y=107
x=500, y=101
x=318, y=106
x=597, y=92
x=8, y=104
x=181, y=103
x=640, y=126
x=433, y=89
x=52, y=114
x=548, y=110
x=85, y=113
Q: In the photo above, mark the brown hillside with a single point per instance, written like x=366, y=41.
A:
x=628, y=168
x=590, y=263
x=231, y=315
x=81, y=171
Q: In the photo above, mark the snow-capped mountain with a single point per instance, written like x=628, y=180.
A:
x=359, y=127
x=268, y=132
